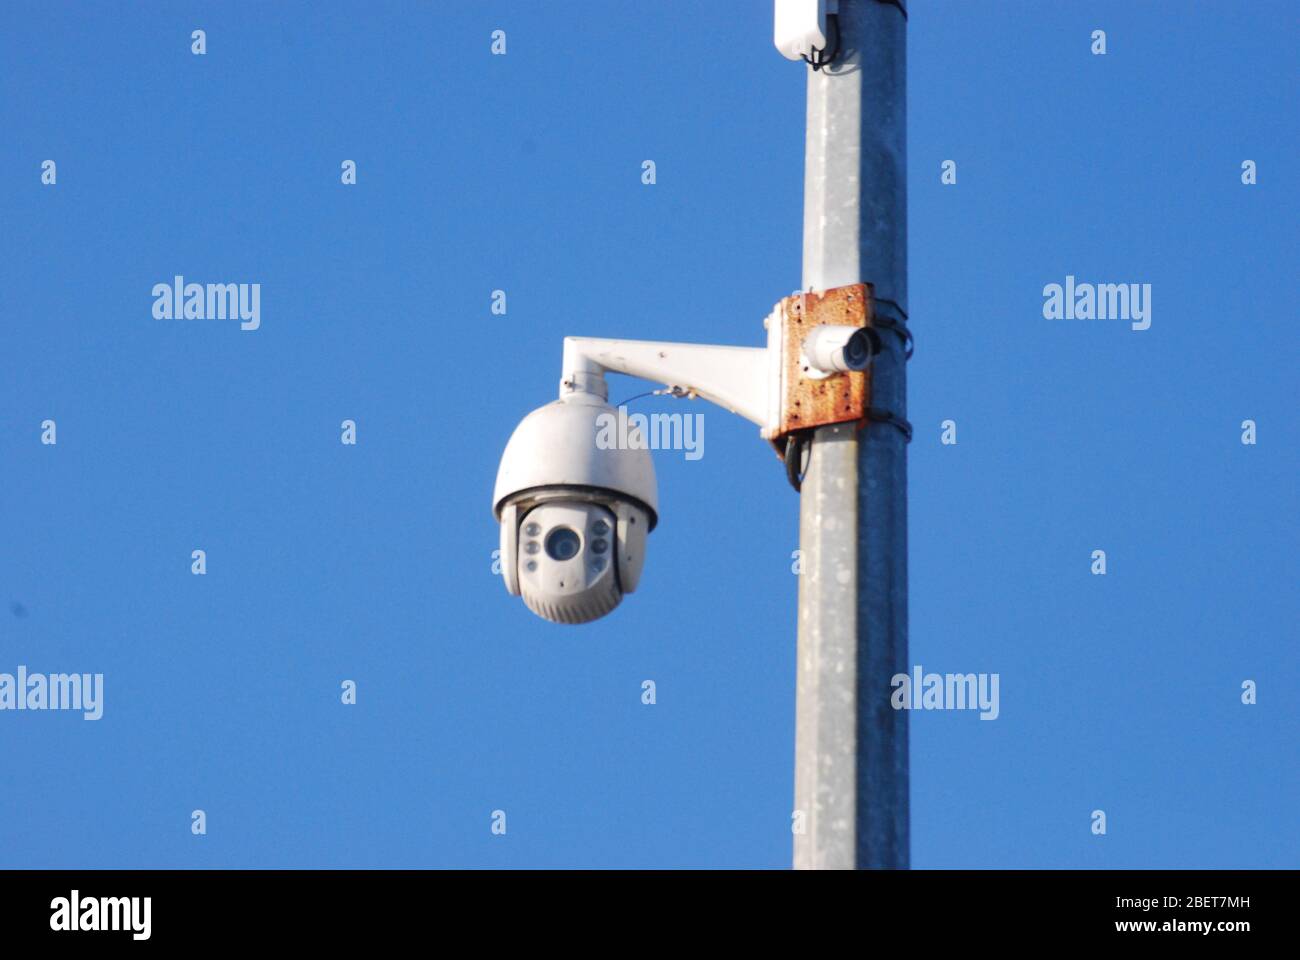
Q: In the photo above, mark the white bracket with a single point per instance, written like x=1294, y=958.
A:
x=811, y=371
x=739, y=379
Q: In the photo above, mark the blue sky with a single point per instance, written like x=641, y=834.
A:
x=373, y=562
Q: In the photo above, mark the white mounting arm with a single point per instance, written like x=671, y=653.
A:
x=748, y=381
x=741, y=379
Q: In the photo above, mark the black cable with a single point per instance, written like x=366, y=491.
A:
x=822, y=58
x=648, y=393
x=794, y=448
x=797, y=443
x=892, y=303
x=881, y=415
x=895, y=3
x=886, y=322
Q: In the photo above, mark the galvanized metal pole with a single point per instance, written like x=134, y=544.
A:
x=851, y=765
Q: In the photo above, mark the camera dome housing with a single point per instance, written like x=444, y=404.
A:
x=576, y=496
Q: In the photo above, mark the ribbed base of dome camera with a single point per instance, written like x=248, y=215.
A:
x=578, y=608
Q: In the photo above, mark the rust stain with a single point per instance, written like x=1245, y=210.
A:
x=840, y=398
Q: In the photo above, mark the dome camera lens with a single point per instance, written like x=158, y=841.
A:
x=562, y=544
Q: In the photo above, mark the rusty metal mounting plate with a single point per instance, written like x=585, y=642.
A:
x=805, y=401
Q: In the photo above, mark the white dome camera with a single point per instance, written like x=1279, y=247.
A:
x=575, y=494
x=574, y=509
